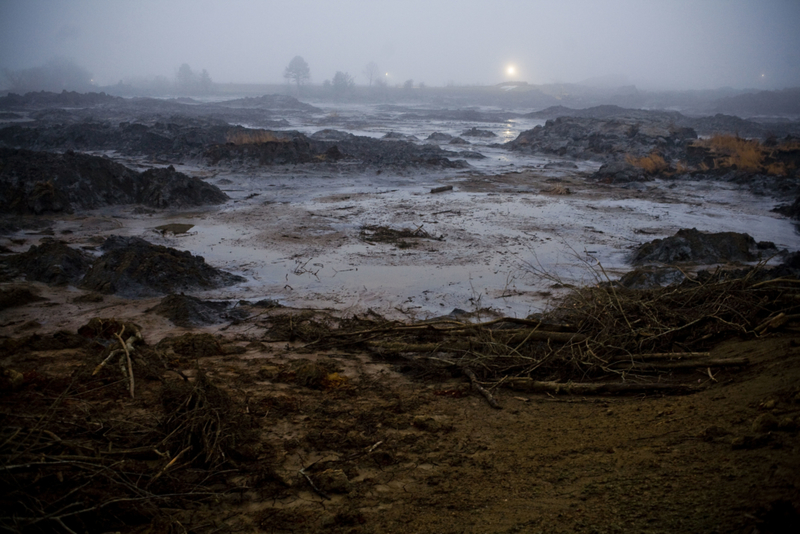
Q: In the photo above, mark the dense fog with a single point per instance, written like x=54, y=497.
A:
x=664, y=44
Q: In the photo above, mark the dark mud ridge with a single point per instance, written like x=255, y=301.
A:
x=268, y=111
x=211, y=142
x=690, y=247
x=187, y=311
x=130, y=267
x=40, y=182
x=707, y=125
x=53, y=263
x=603, y=139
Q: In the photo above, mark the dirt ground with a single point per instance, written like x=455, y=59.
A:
x=309, y=440
x=346, y=442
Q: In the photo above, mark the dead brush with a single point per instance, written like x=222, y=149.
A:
x=201, y=423
x=385, y=234
x=252, y=137
x=75, y=459
x=732, y=150
x=653, y=163
x=602, y=338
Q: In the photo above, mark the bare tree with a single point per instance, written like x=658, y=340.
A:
x=297, y=71
x=372, y=72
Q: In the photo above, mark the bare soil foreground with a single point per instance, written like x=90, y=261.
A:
x=317, y=424
x=590, y=327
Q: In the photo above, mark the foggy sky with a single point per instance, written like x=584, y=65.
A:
x=654, y=44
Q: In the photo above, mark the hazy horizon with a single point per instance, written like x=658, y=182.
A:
x=669, y=44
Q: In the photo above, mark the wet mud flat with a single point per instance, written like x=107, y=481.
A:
x=355, y=345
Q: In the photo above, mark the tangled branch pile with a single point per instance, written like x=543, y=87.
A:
x=74, y=460
x=602, y=333
x=384, y=234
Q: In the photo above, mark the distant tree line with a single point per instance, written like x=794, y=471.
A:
x=58, y=74
x=189, y=82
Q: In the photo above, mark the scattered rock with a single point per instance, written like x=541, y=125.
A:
x=475, y=132
x=766, y=422
x=10, y=380
x=430, y=423
x=713, y=433
x=333, y=481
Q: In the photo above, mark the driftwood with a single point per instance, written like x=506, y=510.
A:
x=595, y=388
x=442, y=189
x=687, y=364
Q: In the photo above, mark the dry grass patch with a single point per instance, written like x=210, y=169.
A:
x=731, y=151
x=652, y=164
x=253, y=137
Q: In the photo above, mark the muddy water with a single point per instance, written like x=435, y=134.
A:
x=504, y=242
x=506, y=237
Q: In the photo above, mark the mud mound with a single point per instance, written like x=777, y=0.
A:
x=691, y=245
x=133, y=268
x=59, y=340
x=651, y=277
x=187, y=311
x=53, y=263
x=395, y=152
x=277, y=102
x=439, y=136
x=17, y=296
x=475, y=132
x=280, y=152
x=606, y=139
x=192, y=345
x=40, y=182
x=166, y=187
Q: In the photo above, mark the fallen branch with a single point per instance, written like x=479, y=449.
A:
x=482, y=390
x=578, y=388
x=688, y=364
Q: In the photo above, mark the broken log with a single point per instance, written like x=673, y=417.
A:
x=442, y=189
x=599, y=388
x=686, y=364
